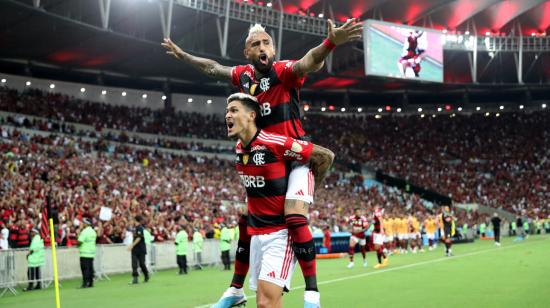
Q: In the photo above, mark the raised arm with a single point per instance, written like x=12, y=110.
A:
x=315, y=57
x=320, y=161
x=206, y=66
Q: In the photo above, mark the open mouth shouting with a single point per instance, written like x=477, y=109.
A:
x=230, y=125
x=264, y=60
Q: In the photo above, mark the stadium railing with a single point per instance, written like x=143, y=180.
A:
x=110, y=259
x=7, y=272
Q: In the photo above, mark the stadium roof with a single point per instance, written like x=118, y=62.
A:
x=487, y=15
x=64, y=39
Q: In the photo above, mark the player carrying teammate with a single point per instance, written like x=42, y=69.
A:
x=261, y=162
x=413, y=50
x=448, y=229
x=359, y=225
x=276, y=85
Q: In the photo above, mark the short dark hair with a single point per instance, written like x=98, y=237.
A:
x=139, y=218
x=249, y=102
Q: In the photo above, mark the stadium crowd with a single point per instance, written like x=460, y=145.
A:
x=470, y=158
x=198, y=192
x=501, y=162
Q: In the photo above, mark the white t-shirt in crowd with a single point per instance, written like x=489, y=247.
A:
x=4, y=235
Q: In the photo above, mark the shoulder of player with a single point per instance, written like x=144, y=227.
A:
x=271, y=139
x=242, y=69
x=245, y=67
x=283, y=64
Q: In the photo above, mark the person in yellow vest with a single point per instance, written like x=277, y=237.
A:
x=182, y=244
x=226, y=236
x=86, y=247
x=35, y=259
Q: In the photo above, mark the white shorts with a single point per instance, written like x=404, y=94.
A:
x=388, y=238
x=378, y=238
x=361, y=241
x=301, y=184
x=403, y=236
x=414, y=236
x=430, y=236
x=271, y=259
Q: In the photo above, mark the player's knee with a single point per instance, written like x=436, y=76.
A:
x=264, y=302
x=296, y=207
x=266, y=299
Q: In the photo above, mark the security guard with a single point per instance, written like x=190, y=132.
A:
x=139, y=251
x=226, y=235
x=35, y=259
x=181, y=249
x=86, y=247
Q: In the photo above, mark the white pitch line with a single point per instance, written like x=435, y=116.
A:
x=397, y=268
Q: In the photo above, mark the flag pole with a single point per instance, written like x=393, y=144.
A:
x=54, y=261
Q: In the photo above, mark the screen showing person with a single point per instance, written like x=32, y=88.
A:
x=398, y=51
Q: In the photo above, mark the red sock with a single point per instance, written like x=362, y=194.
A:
x=304, y=248
x=351, y=252
x=242, y=256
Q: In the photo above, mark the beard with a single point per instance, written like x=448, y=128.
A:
x=261, y=67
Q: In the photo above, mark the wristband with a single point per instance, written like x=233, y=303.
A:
x=328, y=44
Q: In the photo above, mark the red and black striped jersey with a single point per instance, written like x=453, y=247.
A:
x=278, y=94
x=358, y=225
x=377, y=221
x=263, y=169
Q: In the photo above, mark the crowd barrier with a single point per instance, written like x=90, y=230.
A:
x=7, y=272
x=116, y=259
x=110, y=259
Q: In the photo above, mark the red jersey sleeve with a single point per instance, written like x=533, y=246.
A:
x=236, y=72
x=287, y=76
x=297, y=150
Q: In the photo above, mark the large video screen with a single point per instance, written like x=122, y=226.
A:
x=398, y=51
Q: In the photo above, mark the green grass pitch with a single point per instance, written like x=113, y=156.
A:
x=478, y=275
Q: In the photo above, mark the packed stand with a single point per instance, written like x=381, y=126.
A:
x=500, y=162
x=496, y=161
x=81, y=177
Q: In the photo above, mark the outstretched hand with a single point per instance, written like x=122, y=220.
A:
x=172, y=49
x=352, y=30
